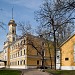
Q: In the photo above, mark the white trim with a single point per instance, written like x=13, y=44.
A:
x=20, y=57
x=2, y=66
x=22, y=67
x=57, y=66
x=19, y=67
x=31, y=67
x=67, y=67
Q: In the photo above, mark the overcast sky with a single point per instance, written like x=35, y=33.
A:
x=23, y=11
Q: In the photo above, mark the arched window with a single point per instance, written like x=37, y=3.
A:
x=13, y=31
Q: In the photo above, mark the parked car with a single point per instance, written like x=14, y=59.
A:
x=42, y=67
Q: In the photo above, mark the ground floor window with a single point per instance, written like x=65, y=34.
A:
x=18, y=62
x=37, y=62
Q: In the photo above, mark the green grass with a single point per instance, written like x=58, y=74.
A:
x=62, y=72
x=10, y=72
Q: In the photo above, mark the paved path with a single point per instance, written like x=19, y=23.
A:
x=34, y=72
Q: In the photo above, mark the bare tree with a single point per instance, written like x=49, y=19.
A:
x=56, y=16
x=2, y=23
x=25, y=28
x=37, y=44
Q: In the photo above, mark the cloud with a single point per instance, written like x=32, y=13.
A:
x=32, y=4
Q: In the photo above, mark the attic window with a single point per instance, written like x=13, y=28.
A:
x=66, y=59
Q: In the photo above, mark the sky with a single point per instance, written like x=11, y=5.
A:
x=23, y=10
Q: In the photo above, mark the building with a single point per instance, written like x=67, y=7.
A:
x=33, y=51
x=67, y=53
x=27, y=51
x=2, y=58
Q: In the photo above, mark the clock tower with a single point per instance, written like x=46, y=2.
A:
x=11, y=36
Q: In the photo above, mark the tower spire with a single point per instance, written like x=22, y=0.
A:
x=12, y=13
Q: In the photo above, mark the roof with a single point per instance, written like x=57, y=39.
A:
x=12, y=21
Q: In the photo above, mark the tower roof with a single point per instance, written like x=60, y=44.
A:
x=12, y=22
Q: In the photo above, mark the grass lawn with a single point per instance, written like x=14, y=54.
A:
x=10, y=72
x=62, y=72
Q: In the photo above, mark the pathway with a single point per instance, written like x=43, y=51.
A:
x=34, y=72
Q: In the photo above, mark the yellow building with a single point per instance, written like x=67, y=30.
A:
x=67, y=54
x=2, y=58
x=26, y=51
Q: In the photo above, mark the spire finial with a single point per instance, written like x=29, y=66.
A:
x=12, y=13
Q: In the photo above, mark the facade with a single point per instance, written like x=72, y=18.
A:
x=26, y=51
x=67, y=54
x=2, y=58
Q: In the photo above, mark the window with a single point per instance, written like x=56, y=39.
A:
x=13, y=38
x=57, y=57
x=43, y=52
x=24, y=51
x=37, y=62
x=18, y=44
x=18, y=54
x=24, y=41
x=5, y=51
x=5, y=57
x=18, y=62
x=21, y=53
x=24, y=62
x=21, y=62
x=13, y=31
x=66, y=59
